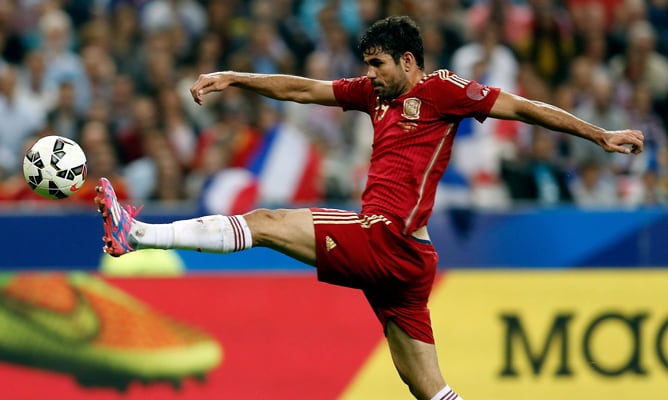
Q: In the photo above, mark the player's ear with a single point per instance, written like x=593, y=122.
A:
x=407, y=60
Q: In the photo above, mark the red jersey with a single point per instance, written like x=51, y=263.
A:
x=412, y=142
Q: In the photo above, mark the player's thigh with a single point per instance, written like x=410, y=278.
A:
x=416, y=362
x=288, y=231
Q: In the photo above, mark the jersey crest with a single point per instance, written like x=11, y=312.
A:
x=412, y=108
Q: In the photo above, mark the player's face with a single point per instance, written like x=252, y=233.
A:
x=388, y=78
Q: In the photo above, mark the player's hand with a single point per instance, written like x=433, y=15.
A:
x=206, y=83
x=628, y=141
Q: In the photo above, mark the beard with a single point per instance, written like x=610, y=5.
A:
x=385, y=92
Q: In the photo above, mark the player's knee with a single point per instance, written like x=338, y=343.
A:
x=264, y=223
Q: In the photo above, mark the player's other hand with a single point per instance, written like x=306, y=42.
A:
x=628, y=141
x=206, y=83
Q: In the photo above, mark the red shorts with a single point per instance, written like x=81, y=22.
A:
x=367, y=252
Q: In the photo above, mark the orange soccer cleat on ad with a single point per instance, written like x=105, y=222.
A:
x=78, y=324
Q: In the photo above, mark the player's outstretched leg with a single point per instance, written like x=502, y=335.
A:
x=123, y=233
x=287, y=231
x=116, y=219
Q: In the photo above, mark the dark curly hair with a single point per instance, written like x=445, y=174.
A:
x=394, y=36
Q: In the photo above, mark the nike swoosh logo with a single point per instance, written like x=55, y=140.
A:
x=74, y=188
x=80, y=324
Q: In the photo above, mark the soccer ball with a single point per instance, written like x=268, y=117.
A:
x=55, y=167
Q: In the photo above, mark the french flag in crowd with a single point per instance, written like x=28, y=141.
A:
x=284, y=170
x=288, y=167
x=230, y=191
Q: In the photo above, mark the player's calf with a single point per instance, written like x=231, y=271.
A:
x=211, y=234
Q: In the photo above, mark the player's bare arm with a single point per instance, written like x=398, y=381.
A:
x=510, y=106
x=275, y=86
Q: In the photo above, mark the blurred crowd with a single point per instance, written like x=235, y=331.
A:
x=114, y=76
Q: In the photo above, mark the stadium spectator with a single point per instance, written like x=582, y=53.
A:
x=440, y=42
x=513, y=18
x=123, y=94
x=63, y=63
x=595, y=53
x=162, y=15
x=63, y=117
x=538, y=177
x=642, y=64
x=642, y=114
x=160, y=66
x=12, y=47
x=657, y=15
x=369, y=11
x=31, y=74
x=21, y=117
x=145, y=118
x=208, y=53
x=335, y=44
x=590, y=22
x=581, y=75
x=314, y=13
x=126, y=40
x=168, y=184
x=95, y=140
x=267, y=51
x=603, y=110
x=100, y=71
x=488, y=61
x=599, y=14
x=487, y=58
x=593, y=186
x=641, y=178
x=178, y=128
x=280, y=13
x=550, y=43
x=13, y=188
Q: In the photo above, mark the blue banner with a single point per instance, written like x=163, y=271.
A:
x=526, y=238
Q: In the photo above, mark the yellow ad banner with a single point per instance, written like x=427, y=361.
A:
x=549, y=335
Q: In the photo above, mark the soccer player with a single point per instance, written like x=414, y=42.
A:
x=383, y=250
